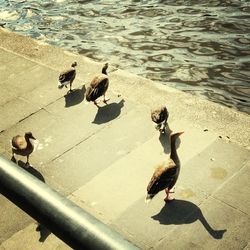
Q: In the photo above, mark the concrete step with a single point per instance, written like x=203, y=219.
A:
x=121, y=160
x=58, y=154
x=122, y=186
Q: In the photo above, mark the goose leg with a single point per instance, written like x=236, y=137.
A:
x=161, y=128
x=96, y=103
x=105, y=99
x=13, y=159
x=70, y=87
x=168, y=197
x=158, y=127
x=27, y=164
x=165, y=124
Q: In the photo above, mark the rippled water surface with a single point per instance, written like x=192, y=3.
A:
x=198, y=46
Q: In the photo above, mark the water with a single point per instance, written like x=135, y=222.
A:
x=202, y=47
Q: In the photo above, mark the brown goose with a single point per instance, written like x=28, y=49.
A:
x=159, y=115
x=98, y=86
x=21, y=145
x=67, y=77
x=166, y=174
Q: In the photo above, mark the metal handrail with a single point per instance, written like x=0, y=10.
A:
x=62, y=217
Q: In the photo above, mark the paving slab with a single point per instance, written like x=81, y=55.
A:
x=214, y=165
x=33, y=241
x=214, y=225
x=5, y=58
x=235, y=192
x=52, y=125
x=128, y=177
x=93, y=155
x=22, y=68
x=14, y=111
x=12, y=219
x=184, y=224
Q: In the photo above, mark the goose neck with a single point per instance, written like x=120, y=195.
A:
x=173, y=154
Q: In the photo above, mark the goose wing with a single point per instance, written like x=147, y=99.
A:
x=97, y=88
x=93, y=93
x=159, y=115
x=67, y=75
x=98, y=80
x=19, y=142
x=163, y=176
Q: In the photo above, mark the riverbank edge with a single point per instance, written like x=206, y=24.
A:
x=225, y=121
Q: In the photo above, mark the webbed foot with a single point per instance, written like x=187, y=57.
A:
x=169, y=198
x=105, y=100
x=13, y=159
x=96, y=103
x=27, y=165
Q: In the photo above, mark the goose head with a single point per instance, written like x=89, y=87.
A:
x=28, y=135
x=104, y=68
x=74, y=64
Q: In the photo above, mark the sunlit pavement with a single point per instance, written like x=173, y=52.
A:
x=102, y=158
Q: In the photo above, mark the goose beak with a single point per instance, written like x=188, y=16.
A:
x=32, y=137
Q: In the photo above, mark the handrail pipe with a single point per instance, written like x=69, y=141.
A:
x=69, y=222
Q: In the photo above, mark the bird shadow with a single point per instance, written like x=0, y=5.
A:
x=44, y=232
x=164, y=140
x=76, y=96
x=31, y=170
x=108, y=112
x=180, y=212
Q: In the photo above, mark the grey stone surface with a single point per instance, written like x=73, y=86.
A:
x=15, y=75
x=102, y=158
x=15, y=111
x=97, y=152
x=235, y=192
x=12, y=219
x=5, y=58
x=214, y=166
x=214, y=225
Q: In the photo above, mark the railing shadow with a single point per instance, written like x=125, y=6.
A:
x=75, y=97
x=108, y=112
x=180, y=212
x=44, y=232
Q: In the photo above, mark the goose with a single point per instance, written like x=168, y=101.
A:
x=159, y=116
x=98, y=86
x=67, y=77
x=21, y=145
x=166, y=174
